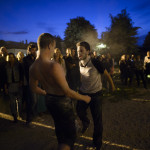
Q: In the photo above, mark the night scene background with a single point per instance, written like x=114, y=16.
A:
x=119, y=27
x=26, y=20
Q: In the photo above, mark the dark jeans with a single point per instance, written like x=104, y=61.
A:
x=62, y=112
x=31, y=103
x=15, y=95
x=96, y=111
x=140, y=73
x=15, y=104
x=129, y=75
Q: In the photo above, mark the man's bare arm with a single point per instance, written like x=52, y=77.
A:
x=109, y=80
x=34, y=84
x=59, y=77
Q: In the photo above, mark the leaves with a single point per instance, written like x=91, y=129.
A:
x=146, y=44
x=79, y=29
x=121, y=35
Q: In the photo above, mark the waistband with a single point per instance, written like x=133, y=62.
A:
x=53, y=95
x=92, y=94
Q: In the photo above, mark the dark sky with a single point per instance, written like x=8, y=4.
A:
x=27, y=19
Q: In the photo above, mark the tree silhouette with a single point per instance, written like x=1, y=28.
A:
x=2, y=43
x=79, y=29
x=58, y=42
x=146, y=43
x=120, y=37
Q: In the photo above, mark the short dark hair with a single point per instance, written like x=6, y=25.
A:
x=84, y=44
x=30, y=46
x=44, y=40
x=9, y=56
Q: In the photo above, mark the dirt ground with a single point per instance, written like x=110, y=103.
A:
x=126, y=123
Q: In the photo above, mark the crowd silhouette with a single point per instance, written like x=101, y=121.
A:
x=14, y=74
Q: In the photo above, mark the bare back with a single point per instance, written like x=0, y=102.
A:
x=45, y=73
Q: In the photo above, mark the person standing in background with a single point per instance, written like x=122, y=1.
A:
x=30, y=98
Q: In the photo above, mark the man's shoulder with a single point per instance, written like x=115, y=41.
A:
x=98, y=65
x=54, y=65
x=49, y=65
x=96, y=61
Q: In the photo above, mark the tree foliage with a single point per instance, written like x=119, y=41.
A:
x=120, y=37
x=146, y=43
x=79, y=29
x=58, y=42
x=2, y=43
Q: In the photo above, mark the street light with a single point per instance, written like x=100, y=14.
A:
x=101, y=46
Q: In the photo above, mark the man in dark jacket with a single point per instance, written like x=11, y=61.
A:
x=3, y=54
x=30, y=97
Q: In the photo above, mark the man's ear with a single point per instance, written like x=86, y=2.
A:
x=88, y=51
x=49, y=46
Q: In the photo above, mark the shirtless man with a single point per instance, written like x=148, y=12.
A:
x=51, y=76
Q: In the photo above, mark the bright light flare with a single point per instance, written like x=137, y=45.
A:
x=148, y=76
x=100, y=46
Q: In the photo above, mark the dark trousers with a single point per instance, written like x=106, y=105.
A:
x=96, y=111
x=15, y=95
x=129, y=75
x=140, y=73
x=62, y=112
x=31, y=102
x=15, y=104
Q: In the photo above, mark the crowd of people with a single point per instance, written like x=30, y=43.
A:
x=67, y=85
x=133, y=66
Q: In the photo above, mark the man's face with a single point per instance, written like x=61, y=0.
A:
x=73, y=52
x=33, y=52
x=11, y=58
x=148, y=53
x=82, y=52
x=4, y=51
x=68, y=51
x=95, y=54
x=52, y=48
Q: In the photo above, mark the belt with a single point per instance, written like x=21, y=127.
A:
x=92, y=94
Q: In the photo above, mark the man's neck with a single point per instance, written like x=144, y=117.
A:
x=45, y=55
x=85, y=60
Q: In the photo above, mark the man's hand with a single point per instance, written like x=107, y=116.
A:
x=87, y=99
